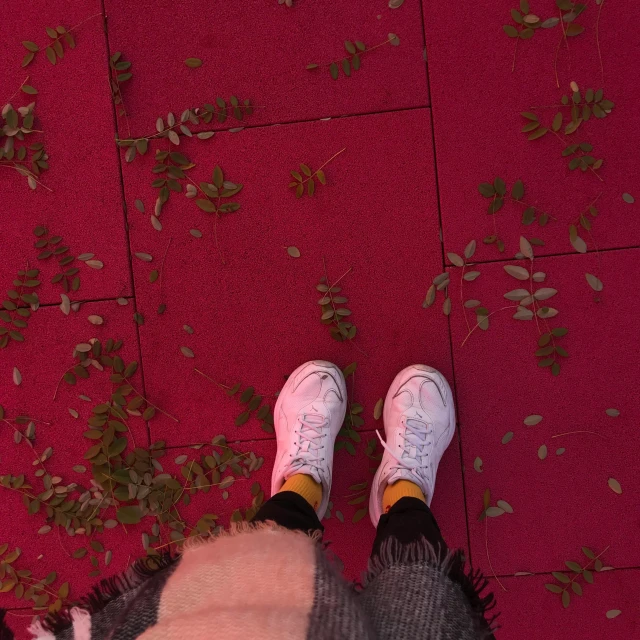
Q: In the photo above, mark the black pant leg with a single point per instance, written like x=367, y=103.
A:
x=289, y=510
x=409, y=520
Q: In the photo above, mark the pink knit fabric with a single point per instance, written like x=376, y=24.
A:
x=259, y=584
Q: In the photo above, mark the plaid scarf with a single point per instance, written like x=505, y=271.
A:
x=262, y=581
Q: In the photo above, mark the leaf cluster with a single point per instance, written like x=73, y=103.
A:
x=49, y=246
x=298, y=181
x=39, y=592
x=568, y=581
x=583, y=222
x=17, y=307
x=528, y=23
x=548, y=350
x=119, y=72
x=54, y=49
x=333, y=312
x=222, y=110
x=581, y=107
x=351, y=62
x=492, y=511
x=252, y=402
x=28, y=160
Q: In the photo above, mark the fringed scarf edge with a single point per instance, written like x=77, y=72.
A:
x=453, y=565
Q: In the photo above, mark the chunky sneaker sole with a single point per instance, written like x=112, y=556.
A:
x=419, y=421
x=308, y=415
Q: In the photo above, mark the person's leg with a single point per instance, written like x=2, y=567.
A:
x=409, y=520
x=415, y=587
x=307, y=418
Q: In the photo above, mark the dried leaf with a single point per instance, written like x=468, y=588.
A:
x=542, y=452
x=95, y=319
x=193, y=63
x=532, y=420
x=505, y=506
x=294, y=252
x=594, y=282
x=520, y=273
x=186, y=352
x=377, y=410
x=494, y=512
x=613, y=613
x=477, y=465
x=507, y=437
x=612, y=413
x=628, y=198
x=17, y=376
x=614, y=485
x=455, y=259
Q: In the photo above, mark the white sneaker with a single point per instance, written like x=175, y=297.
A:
x=419, y=422
x=308, y=415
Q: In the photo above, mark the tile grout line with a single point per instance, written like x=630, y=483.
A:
x=444, y=267
x=124, y=211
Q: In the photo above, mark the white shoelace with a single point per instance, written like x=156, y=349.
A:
x=415, y=453
x=310, y=446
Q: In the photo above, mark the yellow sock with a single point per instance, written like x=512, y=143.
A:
x=305, y=486
x=400, y=489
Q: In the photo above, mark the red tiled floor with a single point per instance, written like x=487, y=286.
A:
x=477, y=103
x=259, y=50
x=529, y=610
x=255, y=319
x=42, y=359
x=73, y=109
x=561, y=502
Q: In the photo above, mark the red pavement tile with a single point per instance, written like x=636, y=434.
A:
x=73, y=109
x=476, y=112
x=562, y=502
x=42, y=359
x=528, y=610
x=255, y=319
x=259, y=50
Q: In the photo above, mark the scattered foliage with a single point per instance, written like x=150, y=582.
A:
x=24, y=586
x=299, y=181
x=351, y=62
x=331, y=313
x=17, y=308
x=251, y=401
x=29, y=160
x=189, y=118
x=569, y=581
x=54, y=246
x=119, y=72
x=575, y=110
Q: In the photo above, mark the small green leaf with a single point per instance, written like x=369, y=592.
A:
x=193, y=63
x=129, y=515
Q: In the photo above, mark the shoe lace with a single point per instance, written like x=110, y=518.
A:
x=310, y=444
x=415, y=452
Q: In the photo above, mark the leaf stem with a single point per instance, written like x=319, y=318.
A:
x=595, y=173
x=464, y=311
x=335, y=155
x=150, y=403
x=486, y=546
x=18, y=90
x=23, y=171
x=569, y=433
x=575, y=577
x=485, y=317
x=598, y=41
